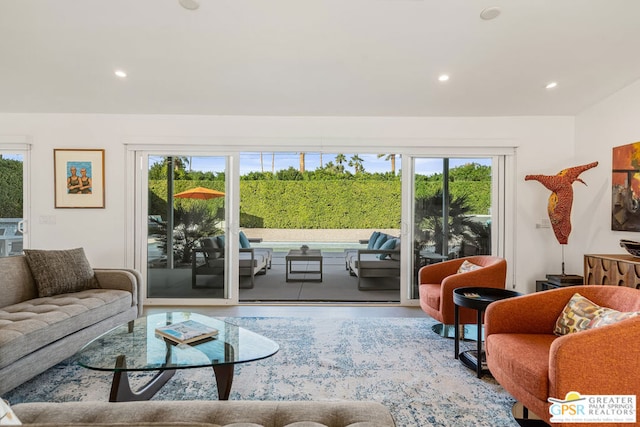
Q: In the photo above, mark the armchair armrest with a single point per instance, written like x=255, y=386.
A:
x=436, y=273
x=123, y=279
x=612, y=348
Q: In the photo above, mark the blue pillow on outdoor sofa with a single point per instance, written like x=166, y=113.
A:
x=244, y=241
x=372, y=239
x=380, y=241
x=221, y=240
x=388, y=245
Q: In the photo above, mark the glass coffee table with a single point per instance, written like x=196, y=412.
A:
x=122, y=350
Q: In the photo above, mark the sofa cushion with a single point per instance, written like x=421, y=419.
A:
x=28, y=326
x=581, y=314
x=230, y=413
x=60, y=271
x=467, y=266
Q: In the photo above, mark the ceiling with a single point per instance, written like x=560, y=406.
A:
x=315, y=57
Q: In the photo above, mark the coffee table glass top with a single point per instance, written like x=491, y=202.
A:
x=146, y=351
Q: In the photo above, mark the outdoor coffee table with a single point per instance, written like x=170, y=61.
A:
x=296, y=255
x=121, y=351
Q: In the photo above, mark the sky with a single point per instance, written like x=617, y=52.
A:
x=250, y=162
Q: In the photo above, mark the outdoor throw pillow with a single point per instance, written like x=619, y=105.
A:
x=581, y=314
x=380, y=241
x=244, y=241
x=372, y=239
x=467, y=266
x=60, y=271
x=388, y=245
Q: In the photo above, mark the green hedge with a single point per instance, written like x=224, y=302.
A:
x=321, y=204
x=10, y=188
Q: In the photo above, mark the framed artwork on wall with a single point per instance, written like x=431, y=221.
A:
x=625, y=206
x=78, y=178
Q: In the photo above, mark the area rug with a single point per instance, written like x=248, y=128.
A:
x=399, y=362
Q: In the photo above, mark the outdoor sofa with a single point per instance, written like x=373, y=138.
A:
x=208, y=413
x=55, y=303
x=252, y=261
x=380, y=260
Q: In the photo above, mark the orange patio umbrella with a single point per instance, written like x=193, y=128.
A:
x=199, y=193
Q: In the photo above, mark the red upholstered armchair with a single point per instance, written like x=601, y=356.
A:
x=533, y=364
x=437, y=282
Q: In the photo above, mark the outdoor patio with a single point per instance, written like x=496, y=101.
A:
x=336, y=286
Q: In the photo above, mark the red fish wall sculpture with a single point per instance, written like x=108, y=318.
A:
x=561, y=199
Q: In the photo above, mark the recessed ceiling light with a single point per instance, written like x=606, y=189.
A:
x=189, y=4
x=551, y=85
x=443, y=77
x=490, y=13
x=120, y=73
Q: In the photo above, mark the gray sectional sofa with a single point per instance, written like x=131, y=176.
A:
x=37, y=332
x=380, y=260
x=207, y=413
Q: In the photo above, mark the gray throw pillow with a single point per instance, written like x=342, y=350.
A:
x=60, y=271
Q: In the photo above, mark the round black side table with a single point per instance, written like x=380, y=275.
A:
x=476, y=299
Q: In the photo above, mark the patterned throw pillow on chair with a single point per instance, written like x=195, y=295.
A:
x=467, y=266
x=581, y=314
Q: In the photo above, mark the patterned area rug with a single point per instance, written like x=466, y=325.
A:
x=399, y=362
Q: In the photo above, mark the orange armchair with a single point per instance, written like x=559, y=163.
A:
x=437, y=282
x=533, y=364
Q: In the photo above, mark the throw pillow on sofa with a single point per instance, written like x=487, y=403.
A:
x=244, y=241
x=388, y=245
x=60, y=271
x=467, y=266
x=581, y=314
x=380, y=241
x=372, y=239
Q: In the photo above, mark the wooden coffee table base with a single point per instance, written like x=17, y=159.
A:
x=121, y=388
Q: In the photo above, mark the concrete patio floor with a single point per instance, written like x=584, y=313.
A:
x=336, y=286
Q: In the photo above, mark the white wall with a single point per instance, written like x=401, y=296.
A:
x=544, y=145
x=613, y=122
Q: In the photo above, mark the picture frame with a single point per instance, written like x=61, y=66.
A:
x=78, y=176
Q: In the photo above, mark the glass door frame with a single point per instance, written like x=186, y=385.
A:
x=502, y=203
x=503, y=195
x=21, y=145
x=138, y=161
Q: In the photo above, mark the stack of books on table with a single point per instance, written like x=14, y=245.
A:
x=187, y=332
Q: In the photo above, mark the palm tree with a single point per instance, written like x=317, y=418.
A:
x=392, y=158
x=356, y=163
x=430, y=229
x=340, y=159
x=301, y=162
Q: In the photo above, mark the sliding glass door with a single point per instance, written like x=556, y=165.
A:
x=452, y=210
x=186, y=204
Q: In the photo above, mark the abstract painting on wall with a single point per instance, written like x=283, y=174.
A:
x=625, y=202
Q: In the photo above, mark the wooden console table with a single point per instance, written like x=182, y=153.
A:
x=616, y=270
